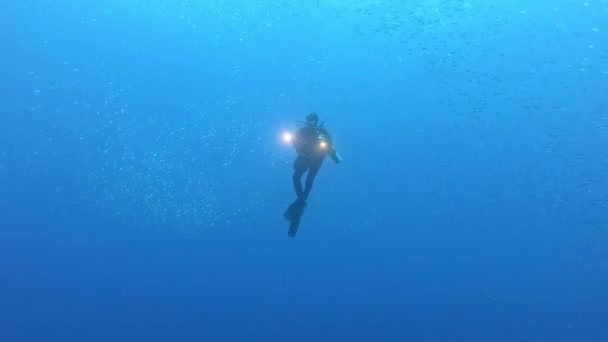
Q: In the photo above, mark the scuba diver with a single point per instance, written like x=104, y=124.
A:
x=312, y=143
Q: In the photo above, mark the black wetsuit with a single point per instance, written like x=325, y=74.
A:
x=310, y=157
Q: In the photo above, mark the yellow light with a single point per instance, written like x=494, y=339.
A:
x=323, y=145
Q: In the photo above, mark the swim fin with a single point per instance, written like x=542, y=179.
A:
x=294, y=215
x=294, y=210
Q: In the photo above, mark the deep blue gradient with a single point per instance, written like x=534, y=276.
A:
x=143, y=177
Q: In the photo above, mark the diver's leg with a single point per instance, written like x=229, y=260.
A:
x=310, y=177
x=300, y=166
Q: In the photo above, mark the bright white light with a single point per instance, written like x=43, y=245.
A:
x=323, y=144
x=287, y=137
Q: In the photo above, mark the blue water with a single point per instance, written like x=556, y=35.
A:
x=143, y=178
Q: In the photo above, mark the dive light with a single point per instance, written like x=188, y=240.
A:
x=287, y=137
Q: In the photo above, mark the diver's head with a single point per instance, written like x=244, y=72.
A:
x=312, y=120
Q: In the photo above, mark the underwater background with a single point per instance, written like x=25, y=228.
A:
x=143, y=177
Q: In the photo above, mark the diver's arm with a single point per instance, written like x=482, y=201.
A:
x=327, y=136
x=333, y=154
x=297, y=139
